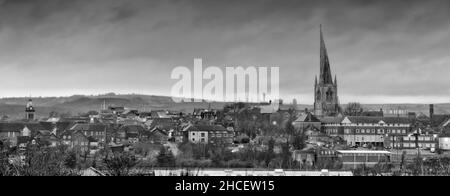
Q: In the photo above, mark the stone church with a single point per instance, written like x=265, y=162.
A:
x=326, y=101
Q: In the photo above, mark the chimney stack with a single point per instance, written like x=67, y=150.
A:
x=431, y=111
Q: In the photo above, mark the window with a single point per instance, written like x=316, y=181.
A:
x=202, y=134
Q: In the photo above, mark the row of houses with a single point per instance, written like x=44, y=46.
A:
x=94, y=135
x=374, y=131
x=73, y=134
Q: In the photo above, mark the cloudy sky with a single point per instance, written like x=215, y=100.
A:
x=381, y=51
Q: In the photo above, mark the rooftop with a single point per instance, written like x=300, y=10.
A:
x=363, y=152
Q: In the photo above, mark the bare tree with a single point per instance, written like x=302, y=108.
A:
x=353, y=109
x=120, y=164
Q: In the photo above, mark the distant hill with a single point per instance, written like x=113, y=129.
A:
x=14, y=107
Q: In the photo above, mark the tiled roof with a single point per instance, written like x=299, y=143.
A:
x=159, y=114
x=158, y=130
x=307, y=118
x=34, y=127
x=438, y=119
x=44, y=133
x=207, y=128
x=375, y=120
x=163, y=123
x=11, y=127
x=132, y=128
x=402, y=120
x=67, y=132
x=331, y=120
x=63, y=125
x=89, y=127
x=18, y=126
x=372, y=113
x=445, y=123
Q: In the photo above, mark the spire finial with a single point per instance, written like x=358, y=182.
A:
x=321, y=34
x=325, y=71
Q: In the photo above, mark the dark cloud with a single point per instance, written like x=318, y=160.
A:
x=123, y=12
x=396, y=48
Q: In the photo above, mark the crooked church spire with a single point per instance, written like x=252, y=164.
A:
x=326, y=99
x=325, y=71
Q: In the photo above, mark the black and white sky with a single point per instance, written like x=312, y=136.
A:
x=384, y=51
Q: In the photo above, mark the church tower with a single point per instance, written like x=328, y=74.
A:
x=29, y=110
x=326, y=102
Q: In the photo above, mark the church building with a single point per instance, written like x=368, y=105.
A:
x=326, y=101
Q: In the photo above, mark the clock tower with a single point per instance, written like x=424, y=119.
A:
x=29, y=111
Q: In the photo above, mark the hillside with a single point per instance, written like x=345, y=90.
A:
x=14, y=107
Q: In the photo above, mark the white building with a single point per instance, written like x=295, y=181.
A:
x=444, y=142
